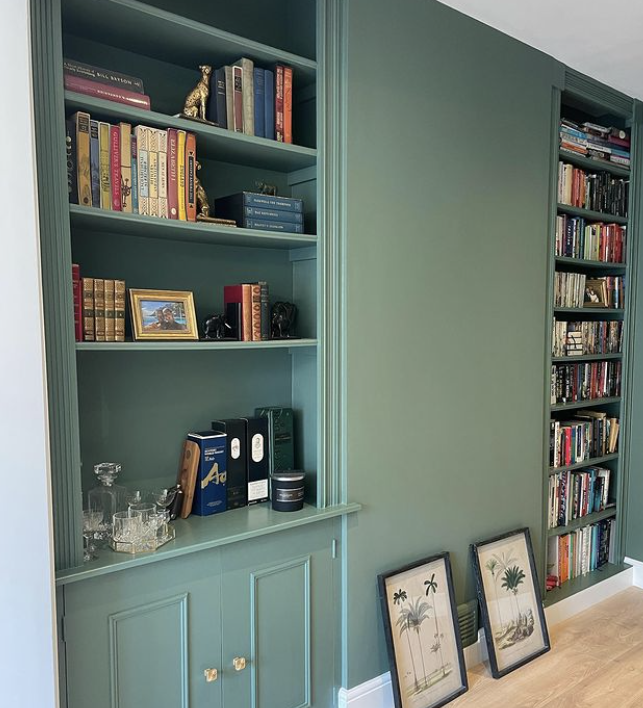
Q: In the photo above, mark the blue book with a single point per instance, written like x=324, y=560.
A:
x=267, y=225
x=269, y=105
x=134, y=175
x=94, y=162
x=292, y=217
x=220, y=116
x=259, y=105
x=232, y=203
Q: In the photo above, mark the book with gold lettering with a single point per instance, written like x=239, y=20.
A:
x=103, y=160
x=99, y=309
x=190, y=175
x=180, y=172
x=110, y=311
x=119, y=310
x=142, y=144
x=126, y=167
x=153, y=160
x=88, y=309
x=83, y=158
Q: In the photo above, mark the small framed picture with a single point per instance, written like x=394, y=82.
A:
x=422, y=633
x=510, y=603
x=163, y=314
x=595, y=293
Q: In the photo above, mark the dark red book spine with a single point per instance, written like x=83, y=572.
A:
x=115, y=166
x=108, y=93
x=172, y=174
x=288, y=104
x=78, y=304
x=279, y=103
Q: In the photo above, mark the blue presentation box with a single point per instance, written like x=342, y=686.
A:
x=211, y=481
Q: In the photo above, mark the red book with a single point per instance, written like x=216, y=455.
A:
x=279, y=103
x=172, y=174
x=288, y=104
x=108, y=93
x=241, y=294
x=190, y=175
x=115, y=165
x=78, y=305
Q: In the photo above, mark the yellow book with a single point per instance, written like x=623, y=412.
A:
x=180, y=169
x=105, y=180
x=126, y=167
x=83, y=160
x=142, y=144
x=153, y=148
x=110, y=312
x=163, y=206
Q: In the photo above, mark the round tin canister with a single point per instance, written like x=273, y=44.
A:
x=287, y=490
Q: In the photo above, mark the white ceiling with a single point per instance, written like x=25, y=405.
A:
x=601, y=39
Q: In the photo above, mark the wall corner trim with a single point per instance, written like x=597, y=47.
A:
x=637, y=570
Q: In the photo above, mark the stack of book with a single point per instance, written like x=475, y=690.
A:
x=262, y=211
x=104, y=83
x=574, y=494
x=99, y=308
x=251, y=100
x=580, y=338
x=138, y=171
x=585, y=381
x=596, y=141
x=598, y=192
x=569, y=289
x=576, y=238
x=247, y=311
x=588, y=435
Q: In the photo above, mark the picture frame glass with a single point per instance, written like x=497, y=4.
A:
x=423, y=636
x=167, y=316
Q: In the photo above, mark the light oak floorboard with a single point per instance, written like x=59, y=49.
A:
x=596, y=660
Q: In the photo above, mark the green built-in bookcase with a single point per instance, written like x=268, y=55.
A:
x=135, y=402
x=582, y=99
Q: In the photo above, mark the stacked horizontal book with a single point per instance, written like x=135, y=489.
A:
x=104, y=83
x=590, y=434
x=575, y=494
x=596, y=141
x=585, y=338
x=577, y=238
x=586, y=381
x=252, y=210
x=596, y=191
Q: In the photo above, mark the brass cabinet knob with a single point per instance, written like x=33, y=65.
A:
x=239, y=663
x=211, y=675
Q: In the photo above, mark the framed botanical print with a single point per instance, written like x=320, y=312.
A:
x=422, y=633
x=510, y=602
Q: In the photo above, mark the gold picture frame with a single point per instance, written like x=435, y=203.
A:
x=163, y=314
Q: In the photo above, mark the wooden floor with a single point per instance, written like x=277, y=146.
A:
x=596, y=659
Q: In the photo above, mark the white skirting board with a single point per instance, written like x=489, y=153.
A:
x=378, y=693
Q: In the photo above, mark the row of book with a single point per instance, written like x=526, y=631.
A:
x=581, y=338
x=248, y=99
x=137, y=171
x=569, y=289
x=578, y=553
x=247, y=310
x=598, y=192
x=576, y=290
x=99, y=308
x=585, y=381
x=574, y=494
x=596, y=141
x=104, y=83
x=576, y=238
x=590, y=434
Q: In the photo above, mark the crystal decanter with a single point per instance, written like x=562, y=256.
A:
x=107, y=498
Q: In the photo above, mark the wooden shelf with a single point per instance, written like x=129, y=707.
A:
x=214, y=143
x=584, y=357
x=585, y=404
x=583, y=521
x=171, y=38
x=594, y=165
x=193, y=346
x=199, y=533
x=587, y=463
x=583, y=263
x=591, y=215
x=571, y=587
x=590, y=310
x=104, y=221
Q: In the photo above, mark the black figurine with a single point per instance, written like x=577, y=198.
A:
x=216, y=327
x=283, y=320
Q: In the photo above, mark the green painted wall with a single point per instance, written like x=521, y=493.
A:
x=448, y=145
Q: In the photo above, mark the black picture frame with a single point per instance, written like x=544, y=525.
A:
x=427, y=567
x=521, y=622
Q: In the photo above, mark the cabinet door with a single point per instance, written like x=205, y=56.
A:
x=278, y=613
x=142, y=638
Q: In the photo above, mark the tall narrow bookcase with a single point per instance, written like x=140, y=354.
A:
x=583, y=100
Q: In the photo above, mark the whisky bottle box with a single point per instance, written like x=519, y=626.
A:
x=258, y=452
x=280, y=434
x=210, y=488
x=236, y=460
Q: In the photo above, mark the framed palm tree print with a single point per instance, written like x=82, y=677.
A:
x=510, y=602
x=422, y=633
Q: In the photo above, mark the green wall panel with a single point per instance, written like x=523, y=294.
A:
x=448, y=148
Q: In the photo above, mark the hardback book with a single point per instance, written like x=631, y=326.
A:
x=237, y=89
x=126, y=167
x=259, y=78
x=180, y=171
x=269, y=104
x=236, y=460
x=78, y=301
x=99, y=309
x=172, y=173
x=94, y=162
x=245, y=212
x=272, y=225
x=190, y=175
x=104, y=138
x=229, y=97
x=281, y=437
x=234, y=202
x=279, y=103
x=247, y=66
x=134, y=164
x=83, y=160
x=110, y=311
x=163, y=203
x=106, y=92
x=288, y=104
x=255, y=294
x=153, y=160
x=258, y=452
x=115, y=166
x=142, y=146
x=88, y=310
x=211, y=477
x=234, y=320
x=265, y=310
x=216, y=108
x=119, y=310
x=70, y=149
x=242, y=295
x=103, y=76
